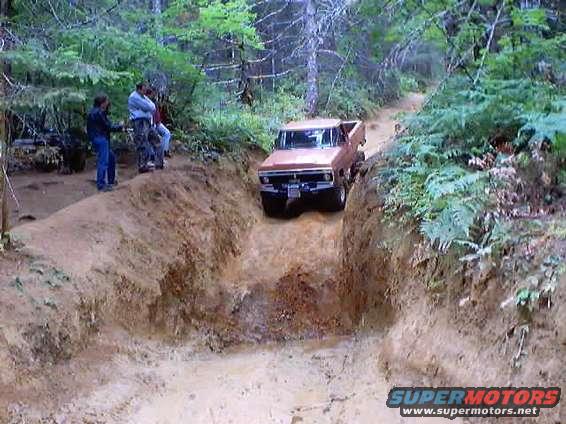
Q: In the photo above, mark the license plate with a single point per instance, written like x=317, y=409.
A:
x=293, y=192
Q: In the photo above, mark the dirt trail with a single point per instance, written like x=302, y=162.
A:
x=381, y=128
x=336, y=379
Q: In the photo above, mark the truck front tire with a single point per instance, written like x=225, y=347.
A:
x=358, y=162
x=273, y=206
x=335, y=198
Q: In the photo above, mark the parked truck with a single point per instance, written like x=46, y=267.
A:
x=313, y=158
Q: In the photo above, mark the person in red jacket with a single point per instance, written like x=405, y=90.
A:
x=162, y=130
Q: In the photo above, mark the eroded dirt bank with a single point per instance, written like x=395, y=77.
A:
x=448, y=324
x=174, y=299
x=97, y=295
x=146, y=305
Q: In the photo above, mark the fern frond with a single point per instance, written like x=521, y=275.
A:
x=450, y=180
x=453, y=223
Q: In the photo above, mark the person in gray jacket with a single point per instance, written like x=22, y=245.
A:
x=141, y=110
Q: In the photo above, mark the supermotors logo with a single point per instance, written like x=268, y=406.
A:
x=452, y=402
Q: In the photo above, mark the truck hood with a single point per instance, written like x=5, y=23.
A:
x=300, y=159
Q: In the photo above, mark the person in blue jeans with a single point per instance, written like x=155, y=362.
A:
x=99, y=128
x=141, y=110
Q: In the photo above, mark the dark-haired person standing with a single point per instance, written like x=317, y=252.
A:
x=99, y=128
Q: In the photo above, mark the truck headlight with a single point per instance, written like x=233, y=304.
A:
x=328, y=177
x=265, y=180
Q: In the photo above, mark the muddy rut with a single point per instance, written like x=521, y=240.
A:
x=265, y=337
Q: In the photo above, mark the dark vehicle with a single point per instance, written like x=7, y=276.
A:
x=49, y=151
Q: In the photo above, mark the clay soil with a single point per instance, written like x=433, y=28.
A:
x=174, y=300
x=37, y=195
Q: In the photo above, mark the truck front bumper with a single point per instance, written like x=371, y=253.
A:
x=295, y=183
x=296, y=190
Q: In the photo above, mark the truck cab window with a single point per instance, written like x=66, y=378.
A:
x=307, y=139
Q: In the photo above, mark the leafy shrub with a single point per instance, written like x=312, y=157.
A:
x=431, y=182
x=547, y=126
x=408, y=83
x=279, y=108
x=238, y=124
x=347, y=100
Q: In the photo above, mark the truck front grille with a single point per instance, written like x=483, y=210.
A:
x=296, y=178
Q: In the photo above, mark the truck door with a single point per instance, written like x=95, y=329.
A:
x=347, y=148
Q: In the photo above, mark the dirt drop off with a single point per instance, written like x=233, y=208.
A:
x=127, y=306
x=175, y=263
x=173, y=299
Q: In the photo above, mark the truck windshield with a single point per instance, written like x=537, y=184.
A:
x=307, y=139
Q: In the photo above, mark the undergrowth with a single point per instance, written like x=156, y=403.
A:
x=223, y=126
x=456, y=169
x=217, y=124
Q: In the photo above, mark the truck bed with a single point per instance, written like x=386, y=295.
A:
x=356, y=132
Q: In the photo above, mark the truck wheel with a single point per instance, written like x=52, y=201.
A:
x=273, y=206
x=358, y=162
x=335, y=198
x=77, y=161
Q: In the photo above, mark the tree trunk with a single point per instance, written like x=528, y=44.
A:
x=156, y=9
x=312, y=60
x=5, y=9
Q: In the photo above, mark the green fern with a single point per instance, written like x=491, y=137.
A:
x=452, y=224
x=451, y=180
x=551, y=127
x=430, y=180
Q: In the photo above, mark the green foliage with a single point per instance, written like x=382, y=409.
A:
x=550, y=126
x=225, y=128
x=451, y=225
x=431, y=181
x=196, y=20
x=86, y=61
x=518, y=59
x=69, y=62
x=408, y=84
x=277, y=109
x=347, y=100
x=237, y=124
x=63, y=65
x=526, y=298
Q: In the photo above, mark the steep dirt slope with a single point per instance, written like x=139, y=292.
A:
x=122, y=260
x=185, y=257
x=445, y=326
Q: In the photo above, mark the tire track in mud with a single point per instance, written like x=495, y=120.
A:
x=288, y=280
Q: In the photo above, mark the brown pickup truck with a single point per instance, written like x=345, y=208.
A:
x=318, y=157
